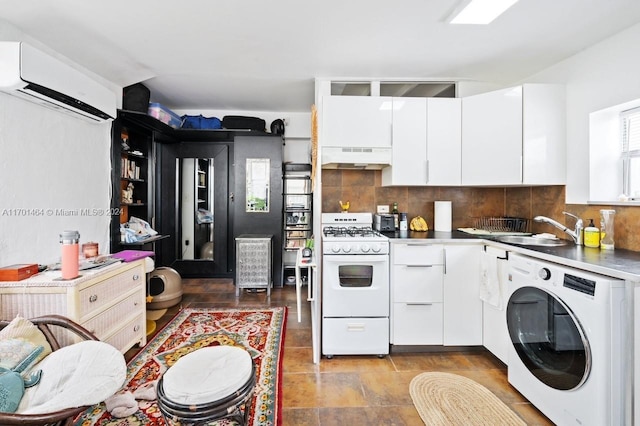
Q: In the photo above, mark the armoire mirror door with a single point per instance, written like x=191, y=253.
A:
x=257, y=201
x=193, y=208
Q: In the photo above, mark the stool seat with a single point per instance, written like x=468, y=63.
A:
x=208, y=384
x=207, y=375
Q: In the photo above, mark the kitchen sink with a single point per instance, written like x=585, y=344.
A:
x=530, y=241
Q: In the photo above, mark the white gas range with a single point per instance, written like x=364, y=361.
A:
x=355, y=286
x=351, y=233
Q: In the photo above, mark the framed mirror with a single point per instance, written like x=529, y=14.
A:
x=257, y=185
x=196, y=207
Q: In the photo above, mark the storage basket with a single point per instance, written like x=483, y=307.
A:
x=165, y=115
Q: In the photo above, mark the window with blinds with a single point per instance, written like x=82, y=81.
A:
x=630, y=121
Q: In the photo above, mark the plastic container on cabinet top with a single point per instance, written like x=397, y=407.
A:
x=164, y=114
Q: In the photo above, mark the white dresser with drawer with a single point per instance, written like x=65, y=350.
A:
x=109, y=301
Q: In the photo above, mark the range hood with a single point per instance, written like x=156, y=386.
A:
x=360, y=158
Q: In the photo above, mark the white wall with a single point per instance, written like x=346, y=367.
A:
x=599, y=77
x=51, y=165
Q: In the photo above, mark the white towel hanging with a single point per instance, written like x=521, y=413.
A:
x=491, y=286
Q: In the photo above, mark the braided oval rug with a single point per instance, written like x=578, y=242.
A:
x=450, y=399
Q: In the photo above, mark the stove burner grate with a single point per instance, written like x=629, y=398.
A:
x=350, y=231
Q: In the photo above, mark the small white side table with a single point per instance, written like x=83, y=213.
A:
x=310, y=264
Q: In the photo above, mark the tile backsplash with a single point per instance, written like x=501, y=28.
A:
x=362, y=188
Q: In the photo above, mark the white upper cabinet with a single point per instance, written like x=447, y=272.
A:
x=544, y=137
x=356, y=121
x=492, y=138
x=409, y=143
x=444, y=137
x=426, y=142
x=514, y=136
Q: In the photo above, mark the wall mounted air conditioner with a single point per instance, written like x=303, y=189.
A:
x=33, y=75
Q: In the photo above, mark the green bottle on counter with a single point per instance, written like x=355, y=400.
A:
x=396, y=216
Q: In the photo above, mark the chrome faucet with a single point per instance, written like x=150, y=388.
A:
x=576, y=233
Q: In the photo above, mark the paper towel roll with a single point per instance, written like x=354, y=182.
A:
x=442, y=216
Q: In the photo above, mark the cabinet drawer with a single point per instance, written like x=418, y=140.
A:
x=417, y=324
x=417, y=283
x=105, y=292
x=133, y=332
x=112, y=317
x=418, y=254
x=355, y=336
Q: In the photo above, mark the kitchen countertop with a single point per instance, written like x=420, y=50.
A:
x=618, y=263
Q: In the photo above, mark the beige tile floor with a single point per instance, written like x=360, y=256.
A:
x=352, y=390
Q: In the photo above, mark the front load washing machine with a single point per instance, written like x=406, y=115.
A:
x=568, y=344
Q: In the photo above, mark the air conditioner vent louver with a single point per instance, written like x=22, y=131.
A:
x=75, y=103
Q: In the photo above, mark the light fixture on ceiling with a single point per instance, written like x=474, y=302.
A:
x=479, y=11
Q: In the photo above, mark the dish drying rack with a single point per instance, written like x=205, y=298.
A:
x=498, y=226
x=502, y=224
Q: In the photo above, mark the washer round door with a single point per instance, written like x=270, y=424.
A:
x=548, y=338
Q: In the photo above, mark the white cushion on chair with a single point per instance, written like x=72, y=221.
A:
x=84, y=373
x=207, y=375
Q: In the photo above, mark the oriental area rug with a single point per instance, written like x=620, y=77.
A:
x=450, y=399
x=260, y=332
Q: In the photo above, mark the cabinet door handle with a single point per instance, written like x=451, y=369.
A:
x=355, y=327
x=419, y=266
x=427, y=173
x=136, y=327
x=93, y=298
x=418, y=304
x=136, y=277
x=444, y=258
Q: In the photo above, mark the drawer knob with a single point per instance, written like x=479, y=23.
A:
x=93, y=298
x=136, y=277
x=136, y=327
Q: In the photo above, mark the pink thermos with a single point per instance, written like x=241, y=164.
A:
x=70, y=253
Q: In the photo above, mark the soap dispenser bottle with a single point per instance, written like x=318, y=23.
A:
x=591, y=235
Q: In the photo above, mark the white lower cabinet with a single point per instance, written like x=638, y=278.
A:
x=495, y=336
x=417, y=323
x=434, y=294
x=462, y=305
x=416, y=293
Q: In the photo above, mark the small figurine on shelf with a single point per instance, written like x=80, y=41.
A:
x=124, y=136
x=127, y=194
x=344, y=206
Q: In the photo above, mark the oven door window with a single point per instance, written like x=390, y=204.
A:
x=548, y=338
x=355, y=275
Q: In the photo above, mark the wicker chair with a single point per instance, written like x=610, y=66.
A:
x=47, y=324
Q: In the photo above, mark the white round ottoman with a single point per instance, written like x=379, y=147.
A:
x=208, y=384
